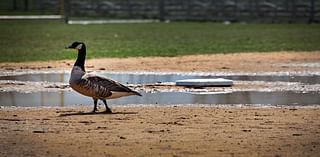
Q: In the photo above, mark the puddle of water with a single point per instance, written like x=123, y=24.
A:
x=67, y=98
x=136, y=78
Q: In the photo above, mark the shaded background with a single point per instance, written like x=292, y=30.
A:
x=266, y=11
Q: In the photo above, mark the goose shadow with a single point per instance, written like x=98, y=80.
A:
x=94, y=113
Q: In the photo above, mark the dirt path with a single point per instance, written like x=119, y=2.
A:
x=239, y=62
x=161, y=131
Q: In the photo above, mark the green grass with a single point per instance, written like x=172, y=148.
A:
x=45, y=40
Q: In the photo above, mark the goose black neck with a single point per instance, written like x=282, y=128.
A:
x=81, y=57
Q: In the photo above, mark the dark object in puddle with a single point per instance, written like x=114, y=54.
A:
x=57, y=86
x=99, y=88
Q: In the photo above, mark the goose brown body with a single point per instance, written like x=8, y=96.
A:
x=97, y=87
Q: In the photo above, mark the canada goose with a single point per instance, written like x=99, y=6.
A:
x=97, y=87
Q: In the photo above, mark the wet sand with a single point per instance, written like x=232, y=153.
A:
x=160, y=131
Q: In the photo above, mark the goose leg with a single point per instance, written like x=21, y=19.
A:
x=108, y=110
x=95, y=101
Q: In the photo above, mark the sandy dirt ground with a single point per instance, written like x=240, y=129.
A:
x=238, y=62
x=167, y=131
x=161, y=131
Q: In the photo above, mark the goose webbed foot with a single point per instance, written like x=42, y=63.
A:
x=94, y=111
x=108, y=111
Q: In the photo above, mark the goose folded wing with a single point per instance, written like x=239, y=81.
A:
x=108, y=83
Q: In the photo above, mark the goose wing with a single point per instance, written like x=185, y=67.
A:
x=109, y=84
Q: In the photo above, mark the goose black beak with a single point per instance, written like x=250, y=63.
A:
x=69, y=47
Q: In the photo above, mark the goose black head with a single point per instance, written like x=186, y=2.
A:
x=81, y=53
x=76, y=45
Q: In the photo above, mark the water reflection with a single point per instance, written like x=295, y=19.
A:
x=136, y=78
x=72, y=98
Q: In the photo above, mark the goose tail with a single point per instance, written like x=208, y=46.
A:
x=136, y=93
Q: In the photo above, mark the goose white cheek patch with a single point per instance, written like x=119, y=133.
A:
x=79, y=46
